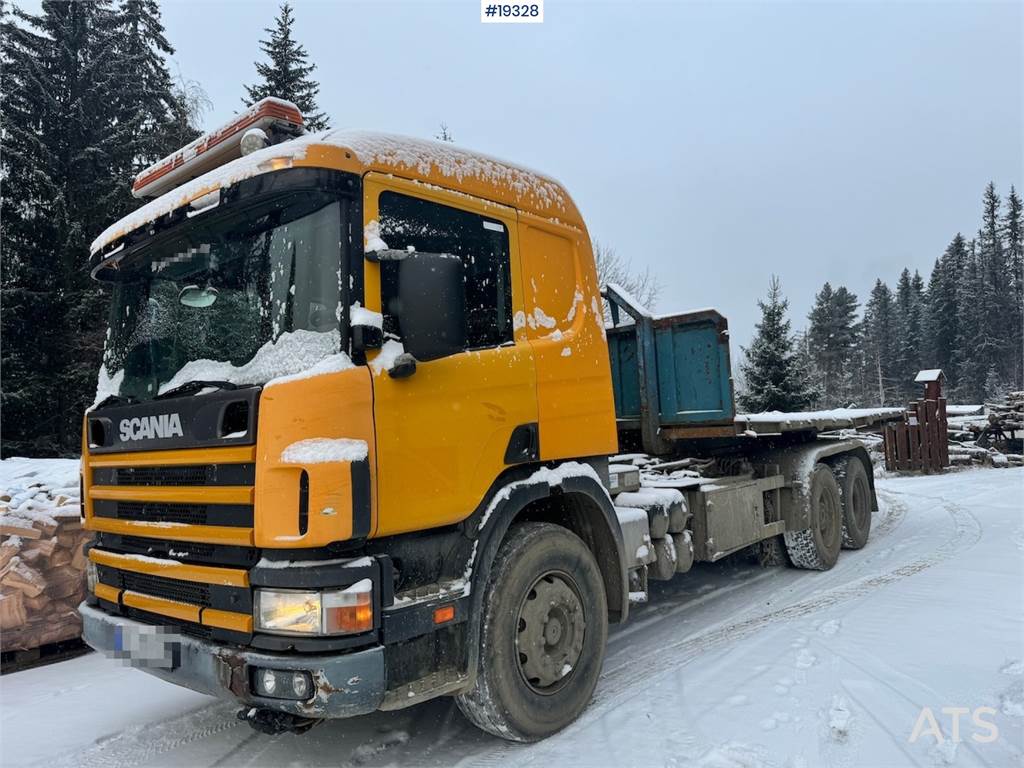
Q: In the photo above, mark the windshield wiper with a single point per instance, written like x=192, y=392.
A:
x=115, y=400
x=190, y=387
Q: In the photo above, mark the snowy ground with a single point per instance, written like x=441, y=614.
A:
x=729, y=666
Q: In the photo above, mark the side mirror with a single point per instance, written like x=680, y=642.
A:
x=432, y=305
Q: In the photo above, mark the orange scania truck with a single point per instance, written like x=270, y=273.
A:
x=354, y=439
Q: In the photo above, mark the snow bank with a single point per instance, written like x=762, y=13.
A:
x=323, y=450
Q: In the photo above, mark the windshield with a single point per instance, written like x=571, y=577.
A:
x=241, y=297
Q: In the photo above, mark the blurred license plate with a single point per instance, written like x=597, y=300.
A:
x=144, y=646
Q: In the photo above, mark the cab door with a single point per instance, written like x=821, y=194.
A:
x=444, y=433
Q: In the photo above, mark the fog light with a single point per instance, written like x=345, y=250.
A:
x=282, y=684
x=268, y=682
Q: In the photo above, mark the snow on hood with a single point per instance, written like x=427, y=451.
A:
x=296, y=355
x=369, y=147
x=324, y=450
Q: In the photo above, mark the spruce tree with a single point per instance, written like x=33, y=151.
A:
x=775, y=378
x=58, y=162
x=832, y=337
x=941, y=310
x=68, y=148
x=972, y=366
x=909, y=332
x=995, y=331
x=878, y=345
x=287, y=74
x=153, y=119
x=1014, y=239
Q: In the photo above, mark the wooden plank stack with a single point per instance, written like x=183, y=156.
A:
x=42, y=564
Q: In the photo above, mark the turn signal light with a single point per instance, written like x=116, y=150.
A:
x=349, y=610
x=444, y=614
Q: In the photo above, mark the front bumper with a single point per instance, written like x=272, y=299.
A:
x=347, y=684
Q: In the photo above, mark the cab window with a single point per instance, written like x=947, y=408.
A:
x=480, y=242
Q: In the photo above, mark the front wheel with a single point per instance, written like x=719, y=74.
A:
x=542, y=641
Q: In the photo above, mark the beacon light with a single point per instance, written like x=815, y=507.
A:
x=266, y=122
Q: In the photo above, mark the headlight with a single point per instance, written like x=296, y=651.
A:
x=288, y=612
x=326, y=612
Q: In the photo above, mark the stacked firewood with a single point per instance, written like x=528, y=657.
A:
x=42, y=563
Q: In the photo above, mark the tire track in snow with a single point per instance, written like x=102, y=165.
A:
x=141, y=744
x=626, y=680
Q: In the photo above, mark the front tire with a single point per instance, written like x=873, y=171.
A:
x=817, y=546
x=543, y=636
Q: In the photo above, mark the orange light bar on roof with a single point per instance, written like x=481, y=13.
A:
x=277, y=117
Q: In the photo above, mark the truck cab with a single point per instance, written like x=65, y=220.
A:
x=327, y=362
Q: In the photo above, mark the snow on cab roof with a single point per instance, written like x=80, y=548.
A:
x=418, y=158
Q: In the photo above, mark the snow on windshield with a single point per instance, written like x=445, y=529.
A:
x=294, y=355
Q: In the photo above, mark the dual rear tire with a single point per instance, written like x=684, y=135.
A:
x=839, y=514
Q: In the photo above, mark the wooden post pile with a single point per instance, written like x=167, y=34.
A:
x=993, y=440
x=42, y=566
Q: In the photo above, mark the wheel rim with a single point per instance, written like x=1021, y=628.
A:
x=859, y=503
x=550, y=629
x=828, y=515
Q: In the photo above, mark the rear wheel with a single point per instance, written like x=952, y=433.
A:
x=817, y=546
x=855, y=492
x=542, y=641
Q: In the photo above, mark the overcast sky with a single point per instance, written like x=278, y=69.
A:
x=715, y=143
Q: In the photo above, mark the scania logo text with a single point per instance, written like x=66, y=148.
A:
x=150, y=427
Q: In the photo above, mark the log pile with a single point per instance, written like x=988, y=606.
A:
x=992, y=440
x=1009, y=414
x=42, y=564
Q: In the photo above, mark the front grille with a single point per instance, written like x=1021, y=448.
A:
x=158, y=586
x=186, y=551
x=195, y=549
x=206, y=474
x=193, y=514
x=161, y=476
x=217, y=596
x=232, y=515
